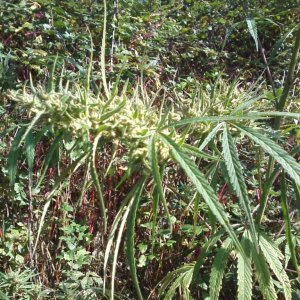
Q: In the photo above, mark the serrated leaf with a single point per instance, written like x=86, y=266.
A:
x=232, y=118
x=210, y=136
x=281, y=156
x=236, y=177
x=218, y=269
x=180, y=276
x=287, y=224
x=204, y=251
x=263, y=275
x=271, y=254
x=217, y=119
x=195, y=151
x=203, y=187
x=244, y=272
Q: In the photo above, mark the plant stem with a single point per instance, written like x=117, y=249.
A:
x=281, y=104
x=289, y=80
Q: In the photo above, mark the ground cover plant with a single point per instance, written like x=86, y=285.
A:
x=141, y=158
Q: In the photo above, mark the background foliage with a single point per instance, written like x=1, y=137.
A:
x=149, y=149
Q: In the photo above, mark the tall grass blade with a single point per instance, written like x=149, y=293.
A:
x=130, y=237
x=30, y=144
x=97, y=182
x=48, y=159
x=13, y=156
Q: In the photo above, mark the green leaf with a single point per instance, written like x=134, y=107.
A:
x=195, y=151
x=236, y=177
x=130, y=237
x=281, y=156
x=72, y=168
x=263, y=275
x=180, y=276
x=30, y=144
x=97, y=182
x=217, y=119
x=231, y=118
x=210, y=136
x=287, y=225
x=244, y=272
x=203, y=187
x=156, y=176
x=218, y=269
x=204, y=251
x=13, y=157
x=121, y=216
x=271, y=254
x=48, y=159
x=253, y=30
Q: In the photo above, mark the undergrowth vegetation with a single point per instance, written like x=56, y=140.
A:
x=132, y=179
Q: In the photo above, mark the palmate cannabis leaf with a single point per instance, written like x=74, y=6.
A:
x=218, y=269
x=263, y=275
x=281, y=156
x=271, y=255
x=204, y=252
x=179, y=278
x=203, y=187
x=233, y=118
x=236, y=177
x=244, y=272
